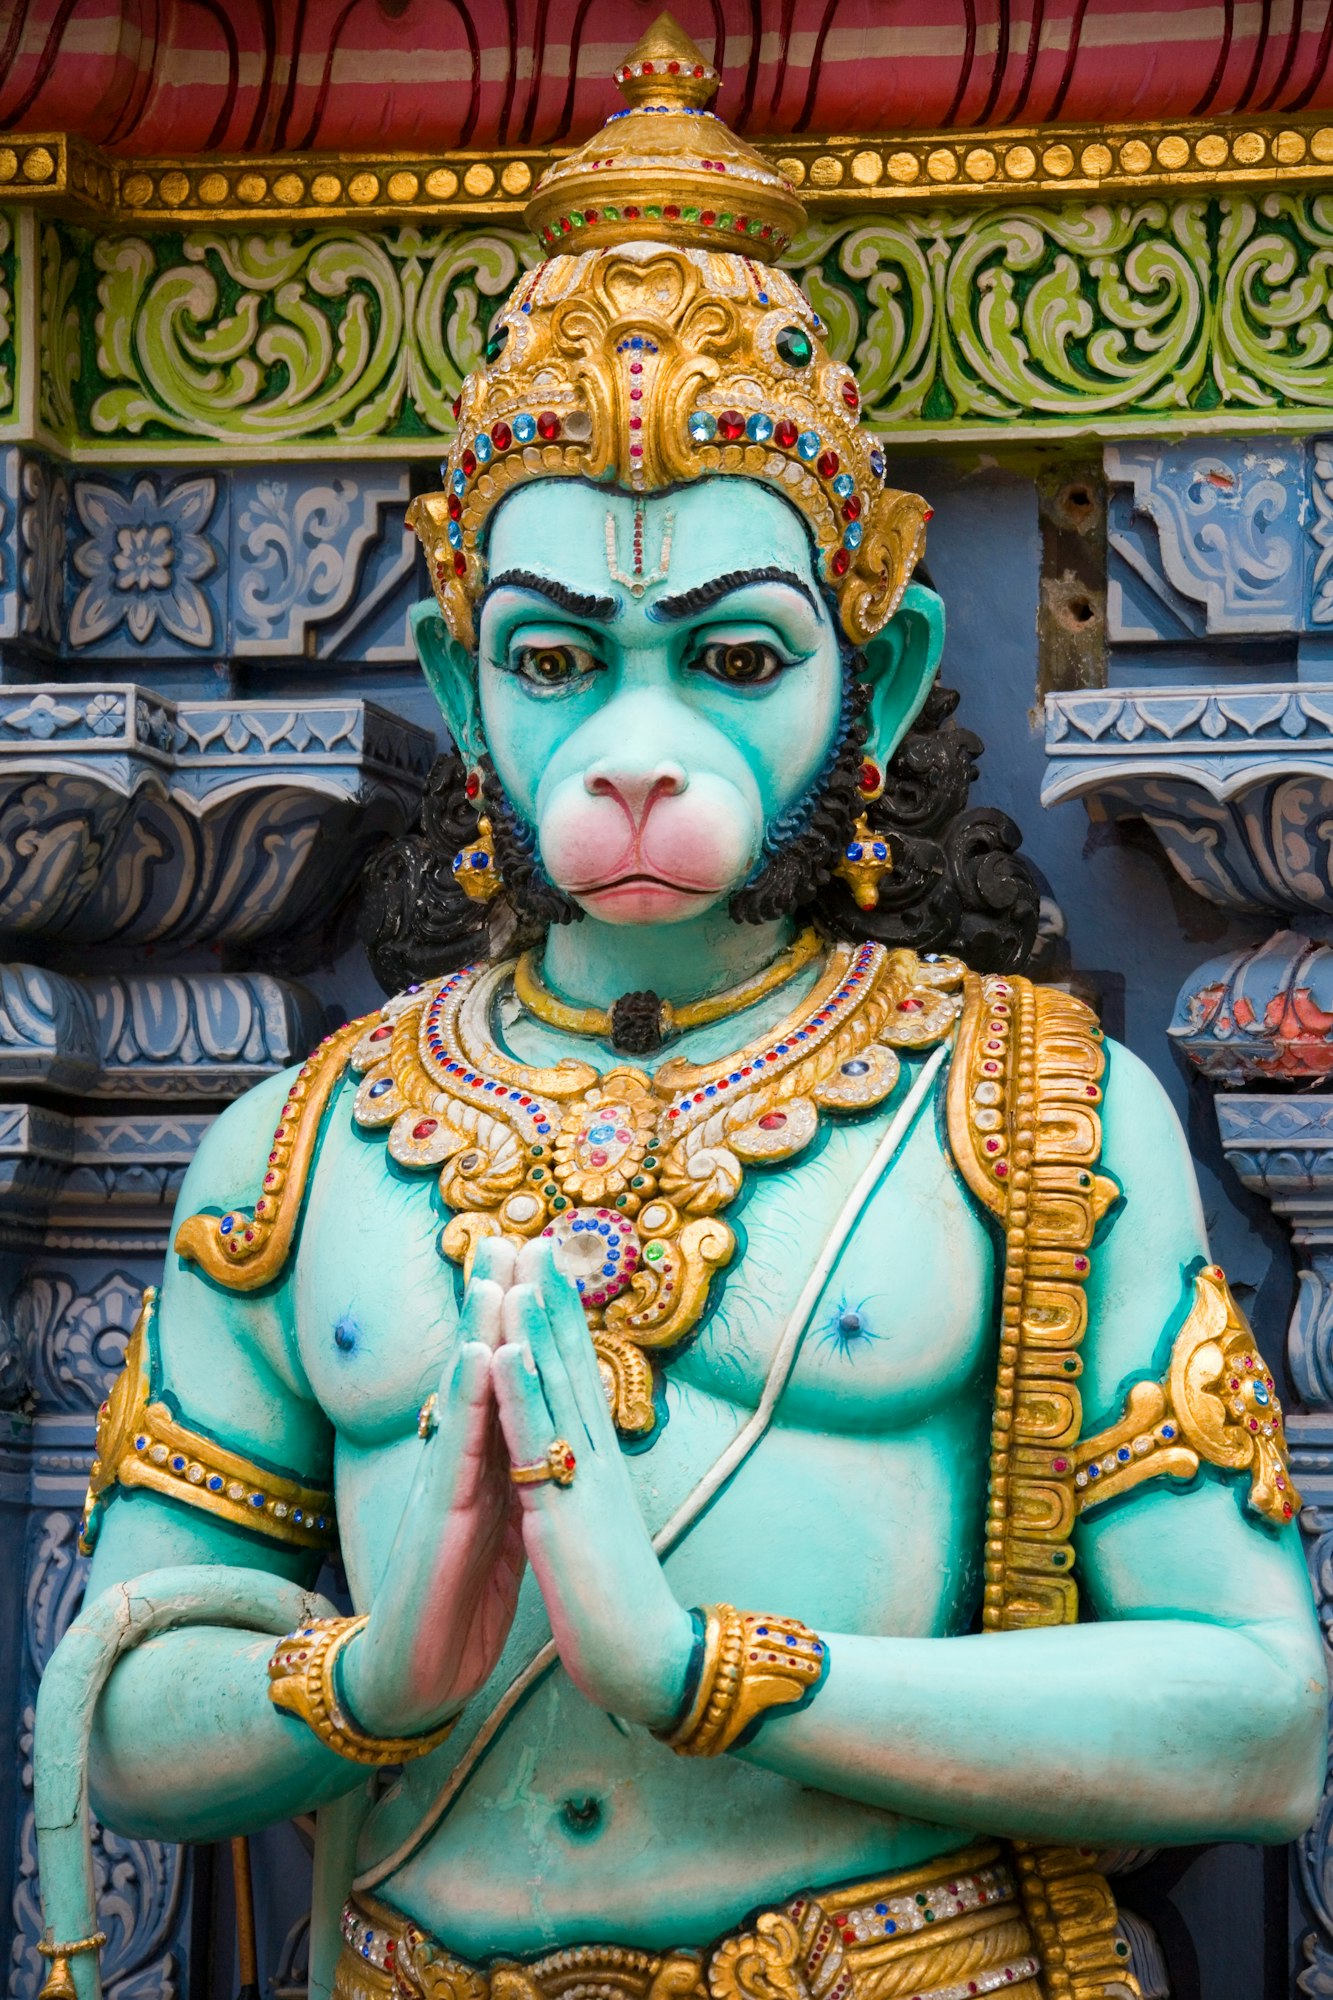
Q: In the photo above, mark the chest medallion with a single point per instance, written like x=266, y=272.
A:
x=629, y=1173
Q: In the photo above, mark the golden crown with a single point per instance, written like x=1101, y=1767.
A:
x=658, y=343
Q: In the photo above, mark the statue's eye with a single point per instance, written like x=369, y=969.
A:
x=743, y=663
x=553, y=666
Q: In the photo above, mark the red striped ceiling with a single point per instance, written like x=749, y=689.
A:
x=185, y=76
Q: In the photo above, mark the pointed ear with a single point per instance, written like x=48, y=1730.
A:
x=451, y=675
x=901, y=662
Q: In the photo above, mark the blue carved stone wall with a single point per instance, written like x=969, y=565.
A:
x=208, y=715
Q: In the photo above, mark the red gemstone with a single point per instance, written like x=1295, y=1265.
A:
x=841, y=562
x=674, y=68
x=671, y=210
x=469, y=462
x=473, y=784
x=851, y=507
x=424, y=1127
x=910, y=1006
x=647, y=69
x=826, y=464
x=1286, y=1510
x=631, y=214
x=731, y=425
x=457, y=406
x=590, y=215
x=460, y=563
x=570, y=1461
x=548, y=424
x=708, y=218
x=786, y=434
x=868, y=776
x=501, y=436
x=929, y=514
x=772, y=1121
x=1001, y=1168
x=851, y=395
x=455, y=506
x=1060, y=1465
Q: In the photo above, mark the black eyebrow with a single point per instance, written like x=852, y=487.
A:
x=576, y=603
x=688, y=603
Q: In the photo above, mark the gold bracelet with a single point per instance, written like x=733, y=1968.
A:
x=301, y=1683
x=751, y=1663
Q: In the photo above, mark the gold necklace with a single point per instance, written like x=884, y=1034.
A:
x=596, y=1022
x=627, y=1172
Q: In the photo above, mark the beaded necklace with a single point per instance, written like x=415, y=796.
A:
x=626, y=1172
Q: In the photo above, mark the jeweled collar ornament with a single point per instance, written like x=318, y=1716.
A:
x=659, y=343
x=625, y=1172
x=603, y=1022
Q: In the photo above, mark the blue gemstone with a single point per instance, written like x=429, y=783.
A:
x=761, y=1631
x=851, y=536
x=455, y=534
x=881, y=1909
x=735, y=1076
x=637, y=340
x=710, y=1090
x=1094, y=1472
x=880, y=851
x=877, y=464
x=480, y=860
x=759, y=427
x=844, y=485
x=459, y=482
x=807, y=444
x=214, y=1482
x=790, y=1640
x=1168, y=1430
x=257, y=1500
x=1123, y=1453
x=1260, y=1393
x=178, y=1465
x=854, y=851
x=297, y=1515
x=855, y=1068
x=702, y=426
x=140, y=1443
x=227, y=1224
x=543, y=1125
x=890, y=1928
x=482, y=446
x=763, y=298
x=525, y=428
x=608, y=1270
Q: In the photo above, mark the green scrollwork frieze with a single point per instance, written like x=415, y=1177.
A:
x=1081, y=318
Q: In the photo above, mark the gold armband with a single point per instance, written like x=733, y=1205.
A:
x=1216, y=1406
x=140, y=1443
x=301, y=1683
x=750, y=1663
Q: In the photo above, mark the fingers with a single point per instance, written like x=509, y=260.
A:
x=479, y=1315
x=494, y=1261
x=537, y=1266
x=527, y=1422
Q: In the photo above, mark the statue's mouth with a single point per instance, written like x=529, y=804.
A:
x=639, y=881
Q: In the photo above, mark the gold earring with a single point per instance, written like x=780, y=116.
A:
x=867, y=857
x=474, y=866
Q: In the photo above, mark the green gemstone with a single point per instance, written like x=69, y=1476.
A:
x=559, y=1201
x=1059, y=1558
x=725, y=221
x=1070, y=1366
x=649, y=1163
x=655, y=1252
x=689, y=215
x=495, y=341
x=538, y=1174
x=654, y=209
x=610, y=215
x=638, y=1181
x=795, y=347
x=539, y=1152
x=576, y=217
x=621, y=1199
x=754, y=225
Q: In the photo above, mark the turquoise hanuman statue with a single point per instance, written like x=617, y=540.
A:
x=735, y=1350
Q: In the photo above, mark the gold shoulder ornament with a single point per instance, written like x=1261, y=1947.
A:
x=1216, y=1406
x=140, y=1443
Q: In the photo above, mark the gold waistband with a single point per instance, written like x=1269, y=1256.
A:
x=949, y=1930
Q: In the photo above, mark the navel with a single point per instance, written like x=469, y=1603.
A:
x=347, y=1334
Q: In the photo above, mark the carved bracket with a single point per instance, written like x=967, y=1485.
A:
x=128, y=817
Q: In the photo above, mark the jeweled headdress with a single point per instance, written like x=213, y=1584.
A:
x=659, y=343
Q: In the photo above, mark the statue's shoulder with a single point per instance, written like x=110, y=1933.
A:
x=270, y=1135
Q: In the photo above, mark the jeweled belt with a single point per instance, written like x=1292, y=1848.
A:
x=949, y=1930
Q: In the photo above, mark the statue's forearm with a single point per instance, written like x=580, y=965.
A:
x=188, y=1746
x=1147, y=1730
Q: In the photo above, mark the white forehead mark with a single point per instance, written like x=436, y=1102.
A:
x=637, y=580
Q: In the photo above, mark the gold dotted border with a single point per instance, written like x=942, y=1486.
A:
x=829, y=173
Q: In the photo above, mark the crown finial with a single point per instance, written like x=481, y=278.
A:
x=666, y=67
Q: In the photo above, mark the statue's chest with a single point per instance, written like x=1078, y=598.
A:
x=898, y=1325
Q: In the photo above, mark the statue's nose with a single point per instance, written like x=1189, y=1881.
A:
x=636, y=790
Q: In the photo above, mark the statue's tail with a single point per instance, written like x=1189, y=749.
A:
x=121, y=1618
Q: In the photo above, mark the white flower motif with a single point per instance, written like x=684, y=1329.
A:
x=142, y=559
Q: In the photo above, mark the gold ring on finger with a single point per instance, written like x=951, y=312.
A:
x=558, y=1464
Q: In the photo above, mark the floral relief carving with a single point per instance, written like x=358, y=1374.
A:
x=142, y=557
